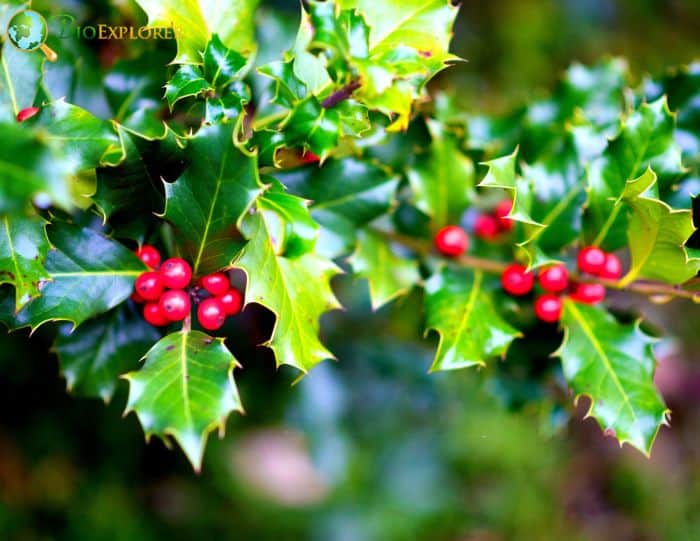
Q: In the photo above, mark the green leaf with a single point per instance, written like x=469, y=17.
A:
x=296, y=290
x=442, y=179
x=20, y=76
x=614, y=365
x=93, y=356
x=196, y=21
x=89, y=275
x=32, y=168
x=645, y=137
x=207, y=202
x=460, y=308
x=185, y=390
x=23, y=249
x=657, y=235
x=223, y=66
x=188, y=81
x=287, y=217
x=389, y=275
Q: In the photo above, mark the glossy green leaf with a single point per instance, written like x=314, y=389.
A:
x=296, y=290
x=88, y=275
x=93, y=356
x=207, y=202
x=185, y=390
x=657, y=235
x=20, y=77
x=188, y=81
x=196, y=21
x=613, y=364
x=461, y=310
x=443, y=179
x=223, y=66
x=23, y=249
x=389, y=275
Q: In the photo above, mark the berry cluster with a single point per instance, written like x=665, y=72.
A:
x=554, y=281
x=168, y=296
x=489, y=226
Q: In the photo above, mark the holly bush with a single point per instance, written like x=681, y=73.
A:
x=268, y=171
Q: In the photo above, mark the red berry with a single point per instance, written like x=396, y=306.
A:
x=26, y=114
x=232, y=301
x=612, y=268
x=452, y=241
x=554, y=279
x=503, y=209
x=176, y=273
x=589, y=293
x=211, y=314
x=486, y=227
x=138, y=299
x=548, y=308
x=149, y=286
x=591, y=260
x=149, y=255
x=216, y=284
x=175, y=304
x=154, y=315
x=517, y=281
x=309, y=157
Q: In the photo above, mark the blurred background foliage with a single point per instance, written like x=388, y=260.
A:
x=372, y=447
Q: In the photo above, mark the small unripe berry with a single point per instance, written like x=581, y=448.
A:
x=216, y=284
x=486, y=227
x=232, y=301
x=452, y=241
x=502, y=210
x=175, y=304
x=176, y=273
x=149, y=286
x=554, y=279
x=591, y=260
x=517, y=281
x=211, y=314
x=612, y=268
x=548, y=308
x=149, y=255
x=26, y=114
x=153, y=314
x=589, y=293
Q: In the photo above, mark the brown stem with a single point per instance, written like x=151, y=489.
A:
x=648, y=288
x=340, y=95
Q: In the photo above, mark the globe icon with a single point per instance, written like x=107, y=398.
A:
x=27, y=30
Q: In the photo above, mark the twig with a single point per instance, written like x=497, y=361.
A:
x=340, y=95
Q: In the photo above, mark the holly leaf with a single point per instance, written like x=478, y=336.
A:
x=389, y=275
x=442, y=179
x=646, y=138
x=208, y=200
x=287, y=217
x=296, y=290
x=188, y=81
x=657, y=235
x=88, y=275
x=93, y=356
x=196, y=21
x=23, y=249
x=20, y=77
x=185, y=390
x=460, y=309
x=223, y=66
x=613, y=364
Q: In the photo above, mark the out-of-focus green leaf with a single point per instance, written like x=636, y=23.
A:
x=460, y=308
x=20, y=76
x=93, y=356
x=613, y=364
x=185, y=390
x=389, y=276
x=296, y=290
